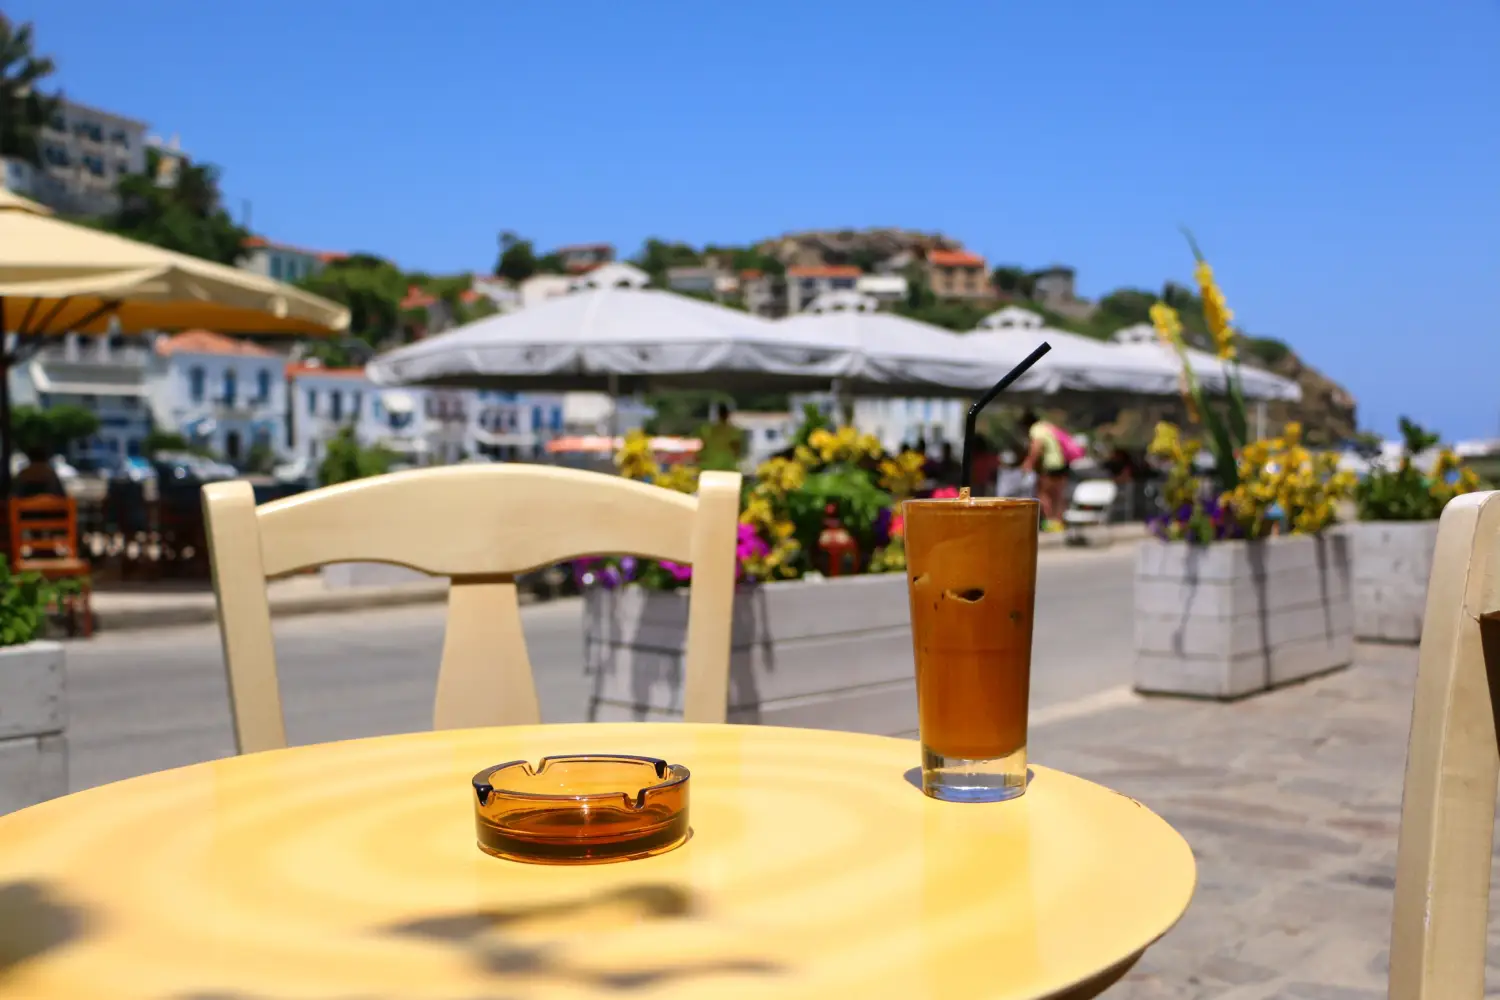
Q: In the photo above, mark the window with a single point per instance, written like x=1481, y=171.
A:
x=263, y=386
x=95, y=165
x=556, y=422
x=57, y=156
x=231, y=386
x=123, y=167
x=119, y=138
x=58, y=122
x=536, y=418
x=195, y=384
x=355, y=406
x=276, y=268
x=336, y=403
x=312, y=401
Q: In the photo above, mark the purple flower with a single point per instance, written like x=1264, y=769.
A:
x=610, y=578
x=628, y=567
x=882, y=527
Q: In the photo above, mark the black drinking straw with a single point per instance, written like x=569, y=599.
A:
x=967, y=482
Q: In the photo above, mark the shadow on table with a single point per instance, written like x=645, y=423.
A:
x=482, y=937
x=33, y=921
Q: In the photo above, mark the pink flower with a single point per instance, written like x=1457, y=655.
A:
x=945, y=493
x=680, y=573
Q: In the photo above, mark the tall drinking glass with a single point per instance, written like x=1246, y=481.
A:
x=971, y=573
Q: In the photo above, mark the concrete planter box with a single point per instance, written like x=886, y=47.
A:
x=1392, y=561
x=346, y=576
x=1235, y=618
x=33, y=725
x=818, y=654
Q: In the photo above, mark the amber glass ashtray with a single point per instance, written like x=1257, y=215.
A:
x=581, y=809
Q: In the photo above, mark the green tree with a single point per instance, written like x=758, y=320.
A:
x=517, y=260
x=371, y=287
x=186, y=214
x=50, y=431
x=347, y=459
x=24, y=108
x=1014, y=280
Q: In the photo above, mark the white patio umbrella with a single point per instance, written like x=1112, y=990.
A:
x=1141, y=341
x=619, y=340
x=1083, y=364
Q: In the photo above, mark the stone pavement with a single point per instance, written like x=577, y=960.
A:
x=1291, y=802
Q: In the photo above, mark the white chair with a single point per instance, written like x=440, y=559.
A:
x=482, y=526
x=1091, y=505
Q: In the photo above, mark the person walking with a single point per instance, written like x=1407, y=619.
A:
x=723, y=444
x=1048, y=460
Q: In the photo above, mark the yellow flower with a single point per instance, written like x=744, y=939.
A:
x=1168, y=325
x=635, y=460
x=902, y=474
x=1166, y=441
x=1293, y=433
x=1215, y=311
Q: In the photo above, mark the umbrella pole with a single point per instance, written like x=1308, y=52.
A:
x=6, y=447
x=614, y=414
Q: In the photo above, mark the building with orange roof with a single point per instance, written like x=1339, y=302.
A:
x=282, y=261
x=957, y=274
x=804, y=284
x=226, y=394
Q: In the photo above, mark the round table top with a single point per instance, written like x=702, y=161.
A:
x=815, y=869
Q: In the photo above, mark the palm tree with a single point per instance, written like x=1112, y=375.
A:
x=24, y=109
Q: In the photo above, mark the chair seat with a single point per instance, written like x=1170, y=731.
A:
x=1076, y=516
x=54, y=569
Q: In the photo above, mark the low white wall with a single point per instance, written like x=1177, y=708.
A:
x=1234, y=618
x=819, y=654
x=1392, y=562
x=33, y=724
x=344, y=576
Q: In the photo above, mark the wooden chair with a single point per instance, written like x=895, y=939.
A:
x=480, y=525
x=1440, y=922
x=43, y=539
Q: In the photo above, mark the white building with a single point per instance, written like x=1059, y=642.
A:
x=540, y=287
x=512, y=426
x=804, y=284
x=887, y=289
x=107, y=376
x=283, y=262
x=765, y=435
x=222, y=393
x=323, y=401
x=85, y=152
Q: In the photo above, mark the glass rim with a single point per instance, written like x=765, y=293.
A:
x=951, y=502
x=668, y=776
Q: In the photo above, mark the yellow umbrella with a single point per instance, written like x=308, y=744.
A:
x=57, y=277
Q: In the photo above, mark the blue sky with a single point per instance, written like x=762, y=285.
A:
x=1338, y=160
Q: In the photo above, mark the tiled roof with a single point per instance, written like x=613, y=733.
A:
x=209, y=342
x=837, y=271
x=416, y=298
x=750, y=274
x=954, y=258
x=255, y=242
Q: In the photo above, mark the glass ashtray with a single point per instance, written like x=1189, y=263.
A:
x=581, y=809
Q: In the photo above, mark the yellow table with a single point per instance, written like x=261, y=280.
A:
x=349, y=870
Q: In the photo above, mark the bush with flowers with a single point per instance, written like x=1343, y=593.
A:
x=1406, y=493
x=1254, y=488
x=784, y=508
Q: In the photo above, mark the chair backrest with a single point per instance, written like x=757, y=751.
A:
x=480, y=525
x=42, y=527
x=1095, y=493
x=1440, y=922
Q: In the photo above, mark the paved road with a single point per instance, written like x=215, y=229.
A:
x=149, y=700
